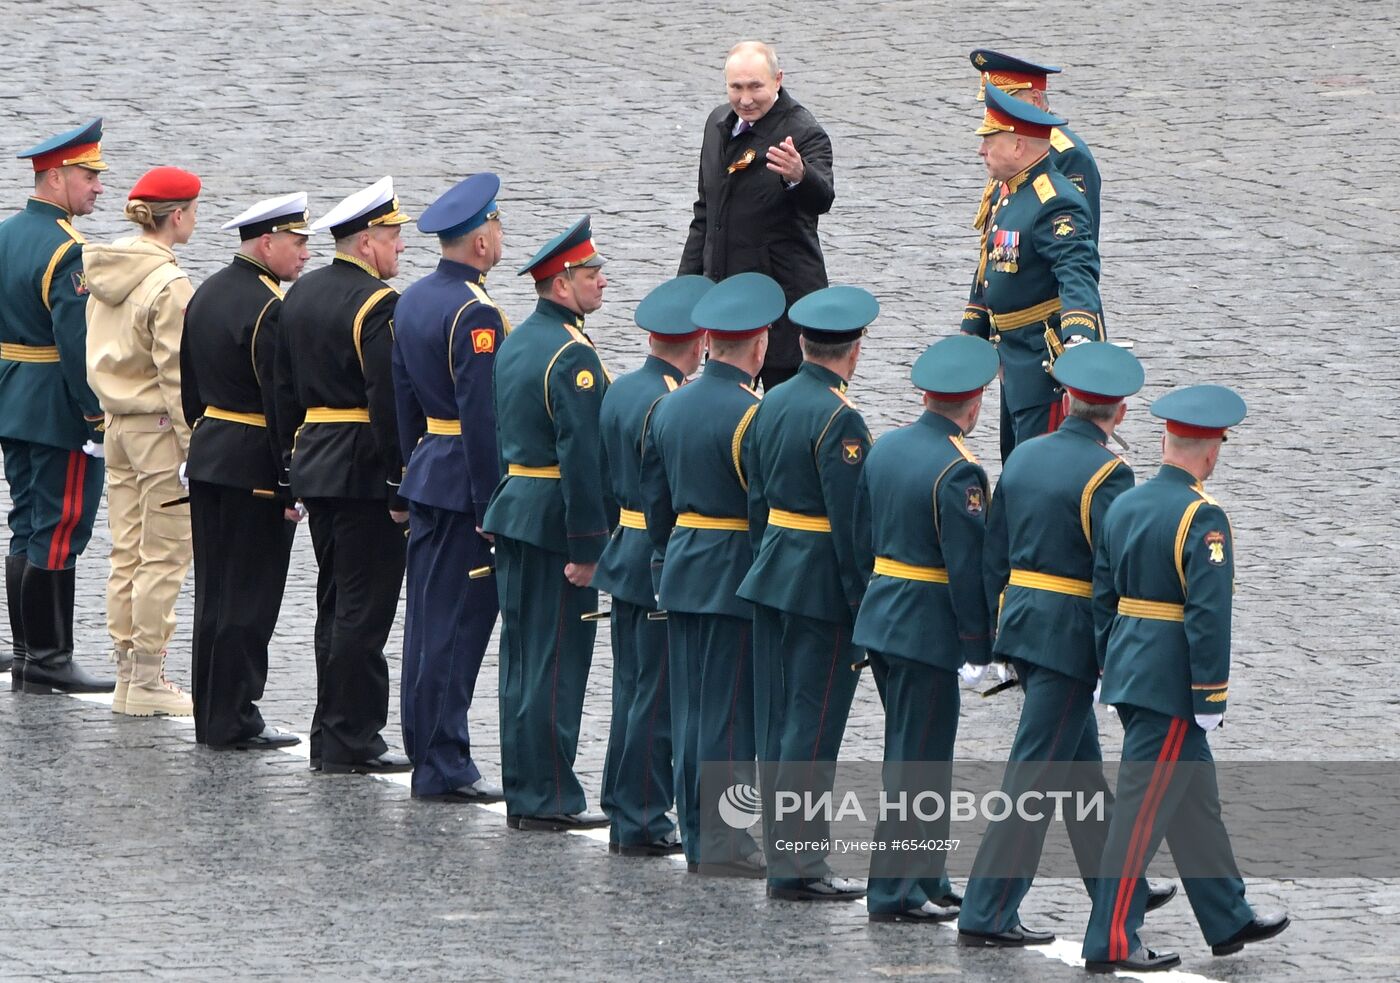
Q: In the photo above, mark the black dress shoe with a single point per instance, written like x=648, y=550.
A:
x=1159, y=894
x=479, y=792
x=750, y=868
x=1144, y=960
x=268, y=739
x=1010, y=939
x=561, y=822
x=386, y=763
x=666, y=846
x=950, y=900
x=928, y=913
x=1261, y=928
x=828, y=888
x=513, y=821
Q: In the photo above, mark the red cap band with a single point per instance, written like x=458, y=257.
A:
x=1198, y=433
x=165, y=184
x=1014, y=81
x=1095, y=398
x=77, y=154
x=573, y=256
x=956, y=397
x=995, y=121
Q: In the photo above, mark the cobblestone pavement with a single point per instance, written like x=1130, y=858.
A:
x=1248, y=240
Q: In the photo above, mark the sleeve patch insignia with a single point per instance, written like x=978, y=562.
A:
x=483, y=341
x=80, y=286
x=583, y=381
x=1215, y=544
x=976, y=501
x=1064, y=226
x=1078, y=181
x=852, y=451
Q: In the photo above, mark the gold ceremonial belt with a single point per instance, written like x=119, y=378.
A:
x=1131, y=607
x=908, y=571
x=251, y=419
x=444, y=428
x=628, y=519
x=1012, y=320
x=784, y=519
x=694, y=520
x=329, y=414
x=1049, y=582
x=522, y=471
x=28, y=353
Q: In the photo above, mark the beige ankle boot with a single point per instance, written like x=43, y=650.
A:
x=150, y=694
x=122, y=657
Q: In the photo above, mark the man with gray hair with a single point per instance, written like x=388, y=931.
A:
x=761, y=215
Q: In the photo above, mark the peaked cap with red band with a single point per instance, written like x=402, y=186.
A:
x=1008, y=73
x=571, y=248
x=668, y=311
x=955, y=368
x=1098, y=372
x=1200, y=411
x=1007, y=114
x=81, y=146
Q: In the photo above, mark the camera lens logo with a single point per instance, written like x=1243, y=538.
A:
x=739, y=806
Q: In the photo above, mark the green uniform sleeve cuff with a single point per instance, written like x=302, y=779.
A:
x=1211, y=700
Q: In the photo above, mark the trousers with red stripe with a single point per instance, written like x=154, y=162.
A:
x=1176, y=798
x=54, y=494
x=1019, y=426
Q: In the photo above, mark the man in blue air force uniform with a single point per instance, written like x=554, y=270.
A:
x=446, y=329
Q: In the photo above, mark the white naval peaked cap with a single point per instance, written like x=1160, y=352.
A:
x=375, y=205
x=285, y=213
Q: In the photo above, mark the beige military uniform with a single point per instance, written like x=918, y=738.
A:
x=135, y=320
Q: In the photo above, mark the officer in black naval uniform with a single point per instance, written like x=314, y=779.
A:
x=551, y=520
x=446, y=329
x=340, y=445
x=241, y=523
x=50, y=422
x=638, y=780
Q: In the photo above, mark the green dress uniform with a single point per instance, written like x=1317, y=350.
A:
x=548, y=510
x=809, y=446
x=920, y=513
x=1068, y=152
x=1163, y=580
x=339, y=435
x=1037, y=271
x=694, y=494
x=47, y=414
x=638, y=776
x=241, y=537
x=1048, y=509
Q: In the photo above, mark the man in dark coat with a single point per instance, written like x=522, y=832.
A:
x=761, y=215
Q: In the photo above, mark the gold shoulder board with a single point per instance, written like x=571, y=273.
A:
x=1044, y=189
x=1059, y=141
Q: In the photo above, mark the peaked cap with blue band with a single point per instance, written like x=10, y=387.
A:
x=463, y=207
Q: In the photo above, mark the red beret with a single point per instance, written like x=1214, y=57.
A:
x=165, y=184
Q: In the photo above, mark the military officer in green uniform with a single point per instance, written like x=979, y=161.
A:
x=638, y=779
x=809, y=445
x=1048, y=507
x=1068, y=153
x=1036, y=287
x=694, y=491
x=1163, y=579
x=50, y=420
x=550, y=520
x=920, y=515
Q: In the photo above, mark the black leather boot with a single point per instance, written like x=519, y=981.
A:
x=14, y=578
x=48, y=633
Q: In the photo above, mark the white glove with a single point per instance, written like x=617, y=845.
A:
x=94, y=450
x=1209, y=721
x=1002, y=670
x=301, y=510
x=972, y=675
x=1098, y=692
x=184, y=482
x=1076, y=339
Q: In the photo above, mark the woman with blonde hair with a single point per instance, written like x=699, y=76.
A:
x=135, y=317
